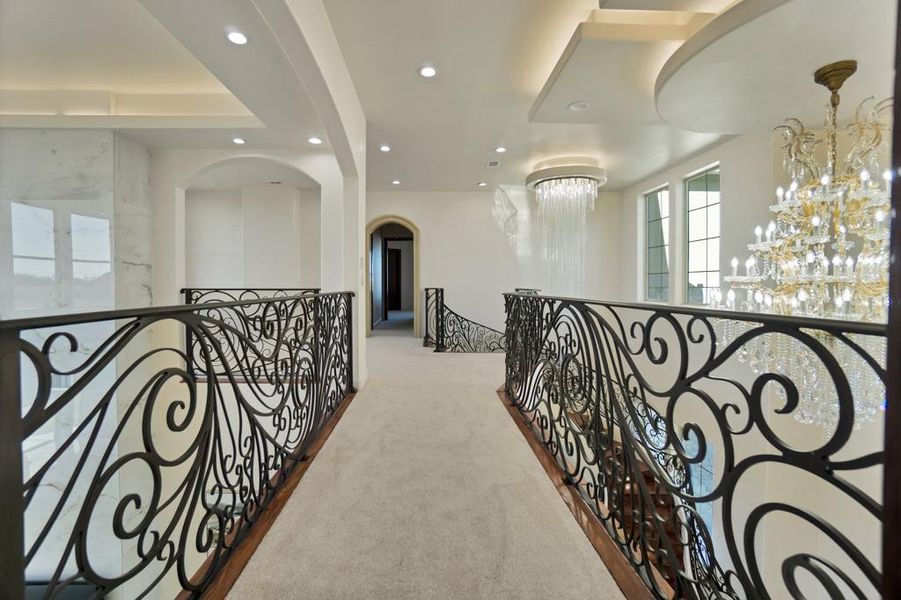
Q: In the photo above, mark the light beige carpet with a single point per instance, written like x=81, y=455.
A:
x=426, y=489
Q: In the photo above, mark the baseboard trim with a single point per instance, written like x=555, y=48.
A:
x=628, y=580
x=227, y=576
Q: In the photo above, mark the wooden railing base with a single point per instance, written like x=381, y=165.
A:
x=238, y=559
x=623, y=573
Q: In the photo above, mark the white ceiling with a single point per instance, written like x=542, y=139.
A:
x=249, y=172
x=160, y=71
x=494, y=60
x=112, y=45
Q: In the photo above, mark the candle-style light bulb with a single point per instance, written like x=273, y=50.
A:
x=864, y=175
x=780, y=193
x=758, y=231
x=734, y=266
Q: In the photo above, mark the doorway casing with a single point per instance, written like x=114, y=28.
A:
x=371, y=227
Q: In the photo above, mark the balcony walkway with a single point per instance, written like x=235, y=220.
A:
x=426, y=489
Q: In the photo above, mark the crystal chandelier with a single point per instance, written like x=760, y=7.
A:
x=566, y=191
x=825, y=253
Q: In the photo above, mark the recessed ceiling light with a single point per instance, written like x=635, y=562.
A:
x=579, y=106
x=483, y=184
x=238, y=141
x=500, y=149
x=427, y=71
x=385, y=148
x=237, y=38
x=395, y=182
x=314, y=140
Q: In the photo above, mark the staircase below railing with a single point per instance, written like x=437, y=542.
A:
x=448, y=331
x=682, y=441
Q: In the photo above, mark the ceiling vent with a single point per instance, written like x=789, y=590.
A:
x=493, y=164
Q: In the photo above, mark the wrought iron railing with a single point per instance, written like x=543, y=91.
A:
x=448, y=331
x=691, y=459
x=131, y=465
x=208, y=295
x=255, y=314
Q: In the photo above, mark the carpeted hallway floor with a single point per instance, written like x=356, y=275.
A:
x=426, y=489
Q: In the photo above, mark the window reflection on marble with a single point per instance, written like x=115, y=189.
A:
x=34, y=256
x=91, y=261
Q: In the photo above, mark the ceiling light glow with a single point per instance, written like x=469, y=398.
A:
x=395, y=182
x=315, y=140
x=385, y=148
x=483, y=184
x=500, y=149
x=427, y=71
x=238, y=141
x=237, y=38
x=579, y=106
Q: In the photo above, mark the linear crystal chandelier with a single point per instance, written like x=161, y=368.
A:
x=825, y=254
x=566, y=191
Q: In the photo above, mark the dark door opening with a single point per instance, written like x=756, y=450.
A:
x=391, y=277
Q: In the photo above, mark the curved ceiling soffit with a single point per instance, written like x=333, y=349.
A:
x=721, y=25
x=215, y=163
x=286, y=28
x=777, y=76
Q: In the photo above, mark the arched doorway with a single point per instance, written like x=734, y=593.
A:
x=392, y=284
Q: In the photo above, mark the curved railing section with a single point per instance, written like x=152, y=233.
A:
x=693, y=461
x=141, y=465
x=251, y=313
x=208, y=295
x=448, y=331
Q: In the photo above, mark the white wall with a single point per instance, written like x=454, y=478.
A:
x=747, y=185
x=464, y=251
x=214, y=238
x=265, y=236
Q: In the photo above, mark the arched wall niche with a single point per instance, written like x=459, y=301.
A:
x=251, y=221
x=371, y=227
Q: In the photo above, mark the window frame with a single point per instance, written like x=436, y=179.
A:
x=668, y=246
x=686, y=215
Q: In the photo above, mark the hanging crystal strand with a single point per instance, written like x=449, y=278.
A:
x=563, y=206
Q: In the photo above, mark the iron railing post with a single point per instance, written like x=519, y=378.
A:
x=12, y=506
x=440, y=320
x=349, y=324
x=189, y=335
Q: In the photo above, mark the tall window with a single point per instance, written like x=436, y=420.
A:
x=657, y=245
x=702, y=203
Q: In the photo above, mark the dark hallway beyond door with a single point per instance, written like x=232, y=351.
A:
x=392, y=278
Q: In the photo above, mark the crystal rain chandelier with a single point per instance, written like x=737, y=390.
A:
x=566, y=194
